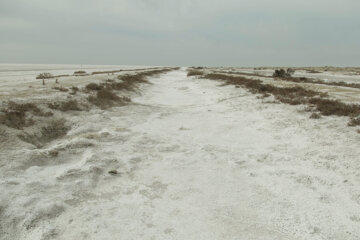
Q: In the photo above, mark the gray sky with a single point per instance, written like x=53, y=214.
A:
x=182, y=32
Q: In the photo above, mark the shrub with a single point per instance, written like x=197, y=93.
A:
x=281, y=73
x=44, y=76
x=93, y=87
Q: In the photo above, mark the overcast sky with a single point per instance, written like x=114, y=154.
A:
x=181, y=32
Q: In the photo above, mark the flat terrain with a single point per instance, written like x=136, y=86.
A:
x=194, y=160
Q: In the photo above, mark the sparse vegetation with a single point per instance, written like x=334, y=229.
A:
x=15, y=114
x=61, y=89
x=105, y=98
x=79, y=72
x=52, y=130
x=71, y=105
x=93, y=87
x=293, y=96
x=194, y=73
x=329, y=107
x=318, y=81
x=312, y=71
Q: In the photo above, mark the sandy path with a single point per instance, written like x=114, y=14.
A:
x=195, y=161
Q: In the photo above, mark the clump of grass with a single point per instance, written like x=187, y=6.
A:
x=44, y=75
x=194, y=73
x=105, y=98
x=61, y=89
x=71, y=105
x=93, y=87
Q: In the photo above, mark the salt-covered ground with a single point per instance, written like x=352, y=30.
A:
x=194, y=161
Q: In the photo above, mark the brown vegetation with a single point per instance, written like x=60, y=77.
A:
x=294, y=96
x=61, y=89
x=71, y=105
x=15, y=114
x=281, y=73
x=318, y=81
x=93, y=87
x=105, y=98
x=74, y=90
x=44, y=76
x=79, y=73
x=52, y=130
x=194, y=73
x=329, y=107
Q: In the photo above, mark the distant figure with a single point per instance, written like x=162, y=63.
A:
x=56, y=81
x=43, y=81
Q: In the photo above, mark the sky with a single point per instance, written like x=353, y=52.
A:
x=181, y=32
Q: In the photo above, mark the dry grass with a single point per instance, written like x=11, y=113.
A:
x=318, y=81
x=44, y=76
x=329, y=107
x=71, y=105
x=93, y=87
x=194, y=73
x=52, y=130
x=293, y=96
x=105, y=98
x=242, y=73
x=15, y=115
x=61, y=89
x=79, y=72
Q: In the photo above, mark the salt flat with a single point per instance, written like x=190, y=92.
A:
x=195, y=160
